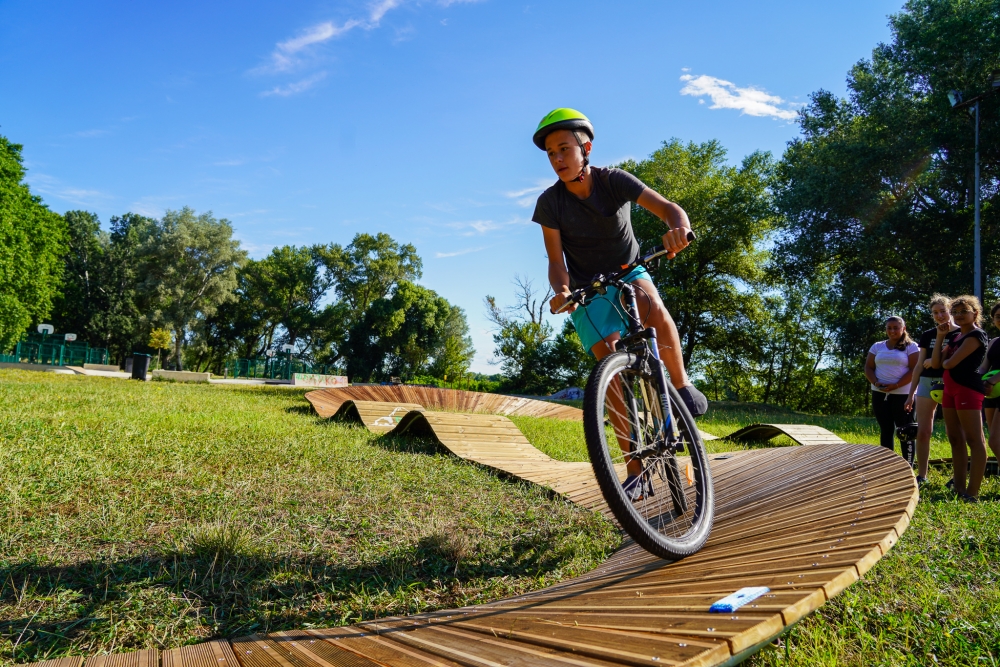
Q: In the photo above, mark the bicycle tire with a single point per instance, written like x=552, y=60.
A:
x=667, y=533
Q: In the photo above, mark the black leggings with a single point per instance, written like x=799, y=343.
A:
x=890, y=413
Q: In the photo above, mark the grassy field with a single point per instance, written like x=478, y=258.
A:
x=159, y=514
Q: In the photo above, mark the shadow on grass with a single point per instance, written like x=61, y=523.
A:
x=236, y=595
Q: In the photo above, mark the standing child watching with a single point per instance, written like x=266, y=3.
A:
x=888, y=368
x=924, y=375
x=962, y=403
x=991, y=405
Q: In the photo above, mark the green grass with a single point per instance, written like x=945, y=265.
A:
x=160, y=514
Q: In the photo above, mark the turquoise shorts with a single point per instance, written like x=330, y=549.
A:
x=603, y=315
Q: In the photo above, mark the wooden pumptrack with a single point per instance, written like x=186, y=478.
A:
x=807, y=522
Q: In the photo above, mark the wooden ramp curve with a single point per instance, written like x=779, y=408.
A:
x=803, y=434
x=804, y=521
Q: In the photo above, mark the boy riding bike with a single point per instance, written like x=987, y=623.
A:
x=587, y=229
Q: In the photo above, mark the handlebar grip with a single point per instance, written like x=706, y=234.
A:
x=690, y=235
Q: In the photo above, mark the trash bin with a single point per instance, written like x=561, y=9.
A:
x=140, y=366
x=128, y=364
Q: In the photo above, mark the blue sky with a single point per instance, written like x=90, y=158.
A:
x=309, y=122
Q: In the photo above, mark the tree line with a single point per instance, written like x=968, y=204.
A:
x=183, y=282
x=799, y=261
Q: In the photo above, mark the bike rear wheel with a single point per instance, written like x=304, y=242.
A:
x=671, y=515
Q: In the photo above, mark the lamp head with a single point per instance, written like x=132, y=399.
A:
x=954, y=97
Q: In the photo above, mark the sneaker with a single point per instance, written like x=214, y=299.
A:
x=950, y=485
x=635, y=489
x=695, y=401
x=921, y=480
x=966, y=498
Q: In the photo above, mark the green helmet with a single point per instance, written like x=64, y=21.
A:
x=562, y=119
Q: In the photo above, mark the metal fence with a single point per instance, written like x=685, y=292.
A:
x=51, y=351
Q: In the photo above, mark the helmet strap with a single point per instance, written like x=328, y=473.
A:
x=586, y=158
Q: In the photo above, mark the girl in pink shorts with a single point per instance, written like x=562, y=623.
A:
x=964, y=391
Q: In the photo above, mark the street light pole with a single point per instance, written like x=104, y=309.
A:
x=977, y=266
x=955, y=98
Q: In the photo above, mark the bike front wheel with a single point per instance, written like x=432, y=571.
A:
x=668, y=504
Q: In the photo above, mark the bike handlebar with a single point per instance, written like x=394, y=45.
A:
x=577, y=296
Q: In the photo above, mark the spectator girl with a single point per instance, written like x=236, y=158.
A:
x=924, y=375
x=990, y=405
x=888, y=368
x=961, y=358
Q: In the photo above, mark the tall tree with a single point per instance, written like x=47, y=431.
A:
x=32, y=245
x=398, y=334
x=879, y=189
x=732, y=212
x=189, y=265
x=82, y=298
x=368, y=269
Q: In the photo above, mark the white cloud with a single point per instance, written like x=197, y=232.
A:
x=726, y=95
x=86, y=134
x=51, y=186
x=441, y=255
x=295, y=88
x=526, y=197
x=479, y=227
x=379, y=9
x=288, y=55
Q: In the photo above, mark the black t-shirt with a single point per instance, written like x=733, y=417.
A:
x=596, y=232
x=993, y=355
x=966, y=373
x=927, y=341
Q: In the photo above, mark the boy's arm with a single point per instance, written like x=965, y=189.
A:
x=673, y=215
x=558, y=275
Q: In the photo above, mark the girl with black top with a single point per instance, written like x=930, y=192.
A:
x=923, y=377
x=889, y=366
x=961, y=358
x=990, y=405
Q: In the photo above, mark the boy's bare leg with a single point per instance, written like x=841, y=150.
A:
x=656, y=315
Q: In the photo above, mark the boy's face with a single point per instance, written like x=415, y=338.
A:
x=564, y=154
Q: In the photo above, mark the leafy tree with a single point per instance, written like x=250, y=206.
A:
x=731, y=211
x=363, y=272
x=522, y=339
x=570, y=363
x=879, y=189
x=399, y=334
x=159, y=340
x=82, y=297
x=455, y=352
x=189, y=264
x=32, y=244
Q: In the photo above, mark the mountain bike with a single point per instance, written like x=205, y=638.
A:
x=634, y=420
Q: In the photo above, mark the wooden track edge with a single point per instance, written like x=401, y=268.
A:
x=765, y=432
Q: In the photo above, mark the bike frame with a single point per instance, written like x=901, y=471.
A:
x=643, y=341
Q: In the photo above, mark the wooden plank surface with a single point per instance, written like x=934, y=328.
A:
x=804, y=521
x=803, y=434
